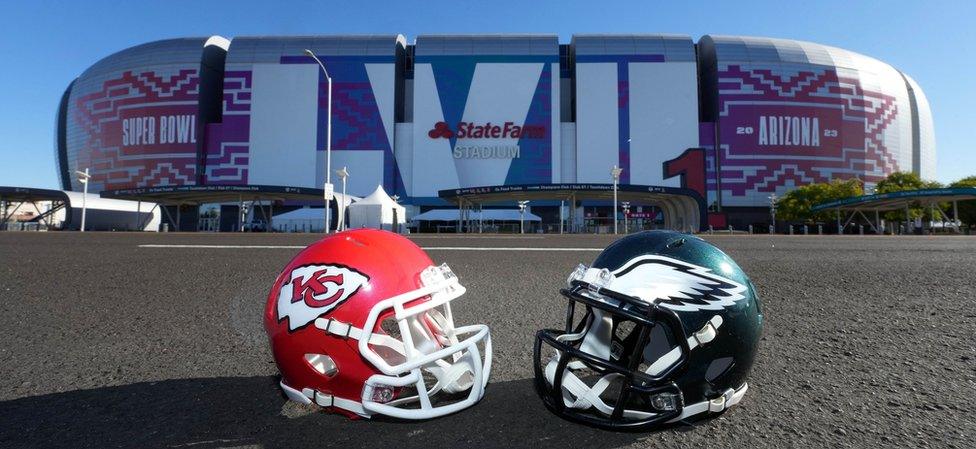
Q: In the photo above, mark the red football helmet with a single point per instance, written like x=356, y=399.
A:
x=361, y=322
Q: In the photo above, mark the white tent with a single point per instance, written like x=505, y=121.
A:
x=376, y=211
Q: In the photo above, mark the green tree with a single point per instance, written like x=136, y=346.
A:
x=967, y=209
x=796, y=205
x=898, y=182
x=901, y=181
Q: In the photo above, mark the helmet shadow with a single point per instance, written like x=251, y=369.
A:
x=235, y=411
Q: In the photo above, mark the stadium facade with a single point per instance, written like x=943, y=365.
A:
x=734, y=119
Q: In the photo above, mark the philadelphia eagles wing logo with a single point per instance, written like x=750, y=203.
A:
x=315, y=290
x=676, y=285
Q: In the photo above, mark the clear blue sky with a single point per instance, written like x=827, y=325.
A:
x=46, y=44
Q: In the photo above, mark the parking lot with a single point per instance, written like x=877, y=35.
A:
x=155, y=340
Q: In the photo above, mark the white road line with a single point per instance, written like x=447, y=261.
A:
x=426, y=248
x=225, y=246
x=476, y=248
x=476, y=236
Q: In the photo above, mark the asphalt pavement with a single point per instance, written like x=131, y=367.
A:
x=107, y=342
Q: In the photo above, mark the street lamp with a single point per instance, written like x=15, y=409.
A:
x=328, y=145
x=83, y=178
x=626, y=207
x=615, y=172
x=343, y=174
x=521, y=205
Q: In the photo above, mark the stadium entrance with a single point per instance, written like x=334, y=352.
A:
x=181, y=204
x=682, y=209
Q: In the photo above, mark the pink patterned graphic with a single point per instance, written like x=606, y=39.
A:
x=140, y=130
x=779, y=130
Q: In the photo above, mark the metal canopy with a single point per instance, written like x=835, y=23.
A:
x=196, y=195
x=19, y=194
x=896, y=200
x=684, y=208
x=29, y=195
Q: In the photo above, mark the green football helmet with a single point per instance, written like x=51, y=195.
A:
x=667, y=331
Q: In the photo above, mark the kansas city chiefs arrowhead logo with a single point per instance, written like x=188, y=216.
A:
x=314, y=290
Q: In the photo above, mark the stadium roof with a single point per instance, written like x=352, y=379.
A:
x=674, y=47
x=897, y=200
x=486, y=44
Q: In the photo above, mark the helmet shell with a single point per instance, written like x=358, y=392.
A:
x=390, y=265
x=737, y=340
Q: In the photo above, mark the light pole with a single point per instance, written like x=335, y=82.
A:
x=343, y=174
x=615, y=173
x=772, y=212
x=521, y=205
x=562, y=204
x=243, y=215
x=328, y=145
x=396, y=219
x=626, y=207
x=83, y=178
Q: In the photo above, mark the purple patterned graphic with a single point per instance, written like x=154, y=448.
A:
x=779, y=129
x=535, y=163
x=357, y=124
x=228, y=141
x=623, y=120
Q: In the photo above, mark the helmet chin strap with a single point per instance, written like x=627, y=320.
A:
x=452, y=378
x=596, y=341
x=578, y=395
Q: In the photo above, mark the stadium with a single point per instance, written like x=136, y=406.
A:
x=861, y=337
x=703, y=132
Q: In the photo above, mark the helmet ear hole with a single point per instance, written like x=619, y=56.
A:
x=659, y=345
x=718, y=367
x=393, y=355
x=624, y=329
x=322, y=364
x=624, y=334
x=391, y=327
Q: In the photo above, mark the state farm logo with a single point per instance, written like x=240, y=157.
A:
x=470, y=130
x=440, y=130
x=315, y=290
